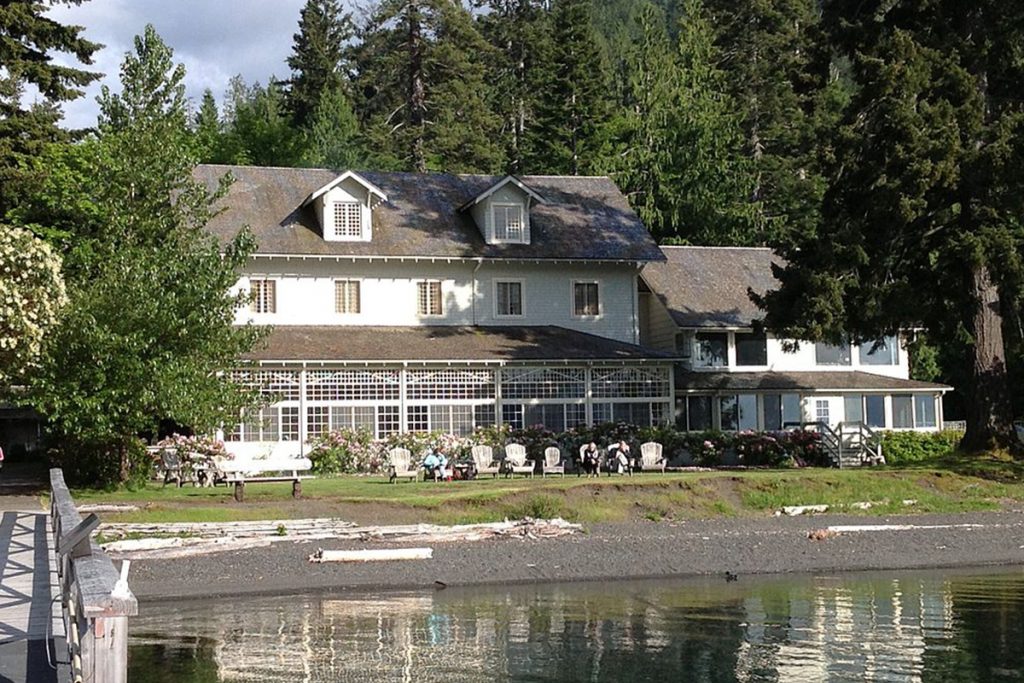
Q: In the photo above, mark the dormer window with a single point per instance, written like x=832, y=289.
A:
x=508, y=222
x=348, y=220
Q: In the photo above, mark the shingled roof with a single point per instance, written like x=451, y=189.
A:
x=442, y=343
x=581, y=218
x=799, y=381
x=707, y=286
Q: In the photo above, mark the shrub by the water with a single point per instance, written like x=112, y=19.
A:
x=902, y=448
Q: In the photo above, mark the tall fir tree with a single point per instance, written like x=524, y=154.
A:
x=573, y=109
x=149, y=328
x=28, y=41
x=520, y=33
x=319, y=57
x=207, y=130
x=767, y=53
x=922, y=219
x=424, y=92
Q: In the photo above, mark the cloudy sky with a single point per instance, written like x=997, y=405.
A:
x=214, y=39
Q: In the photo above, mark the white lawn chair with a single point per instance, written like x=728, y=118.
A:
x=170, y=463
x=515, y=460
x=552, y=462
x=651, y=459
x=483, y=460
x=402, y=465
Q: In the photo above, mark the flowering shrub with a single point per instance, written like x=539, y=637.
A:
x=760, y=448
x=707, y=448
x=193, y=448
x=345, y=451
x=804, y=446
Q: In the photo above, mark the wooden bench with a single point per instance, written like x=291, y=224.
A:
x=242, y=471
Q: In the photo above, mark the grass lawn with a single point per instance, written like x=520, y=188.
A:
x=952, y=485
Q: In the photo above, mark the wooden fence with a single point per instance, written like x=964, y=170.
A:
x=96, y=598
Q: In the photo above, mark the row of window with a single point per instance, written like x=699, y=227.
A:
x=509, y=226
x=740, y=411
x=712, y=350
x=508, y=297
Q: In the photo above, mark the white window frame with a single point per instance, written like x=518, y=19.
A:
x=259, y=303
x=425, y=312
x=347, y=283
x=822, y=407
x=346, y=234
x=507, y=237
x=522, y=298
x=572, y=300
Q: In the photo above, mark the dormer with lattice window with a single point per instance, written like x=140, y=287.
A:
x=344, y=208
x=502, y=211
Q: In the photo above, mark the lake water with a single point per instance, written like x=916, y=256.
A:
x=897, y=626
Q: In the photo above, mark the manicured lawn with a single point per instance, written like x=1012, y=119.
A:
x=949, y=486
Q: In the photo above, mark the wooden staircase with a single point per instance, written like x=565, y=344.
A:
x=850, y=444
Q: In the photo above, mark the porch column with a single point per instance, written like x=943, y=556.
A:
x=403, y=378
x=302, y=412
x=588, y=375
x=497, y=396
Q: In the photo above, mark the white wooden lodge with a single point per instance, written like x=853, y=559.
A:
x=412, y=302
x=408, y=302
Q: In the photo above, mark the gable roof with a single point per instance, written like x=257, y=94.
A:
x=370, y=187
x=444, y=343
x=847, y=380
x=582, y=218
x=707, y=286
x=500, y=184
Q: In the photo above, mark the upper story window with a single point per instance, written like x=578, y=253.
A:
x=264, y=296
x=585, y=300
x=712, y=349
x=348, y=220
x=885, y=351
x=428, y=297
x=751, y=349
x=508, y=223
x=829, y=354
x=508, y=298
x=346, y=296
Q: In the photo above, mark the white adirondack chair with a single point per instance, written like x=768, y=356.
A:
x=515, y=460
x=402, y=465
x=483, y=460
x=552, y=462
x=651, y=459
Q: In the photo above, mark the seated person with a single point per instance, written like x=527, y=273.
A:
x=590, y=459
x=619, y=458
x=436, y=465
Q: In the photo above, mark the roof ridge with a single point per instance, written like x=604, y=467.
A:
x=710, y=246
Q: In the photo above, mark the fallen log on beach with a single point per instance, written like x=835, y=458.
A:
x=376, y=555
x=169, y=541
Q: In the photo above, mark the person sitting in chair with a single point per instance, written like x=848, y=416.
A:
x=589, y=459
x=619, y=459
x=435, y=465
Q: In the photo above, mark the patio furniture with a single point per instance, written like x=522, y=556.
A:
x=552, y=462
x=483, y=458
x=402, y=465
x=242, y=471
x=515, y=460
x=651, y=459
x=170, y=464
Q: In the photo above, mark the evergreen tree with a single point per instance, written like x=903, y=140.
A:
x=573, y=109
x=767, y=52
x=922, y=218
x=207, y=130
x=681, y=160
x=28, y=39
x=421, y=74
x=258, y=129
x=148, y=330
x=318, y=60
x=333, y=139
x=520, y=33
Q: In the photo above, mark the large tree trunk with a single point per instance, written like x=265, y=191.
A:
x=989, y=415
x=417, y=91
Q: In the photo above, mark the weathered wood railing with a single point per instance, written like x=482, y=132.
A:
x=96, y=599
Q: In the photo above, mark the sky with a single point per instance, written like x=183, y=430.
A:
x=214, y=39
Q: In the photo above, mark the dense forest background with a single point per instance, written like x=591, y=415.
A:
x=877, y=147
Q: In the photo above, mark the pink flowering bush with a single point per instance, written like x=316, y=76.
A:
x=346, y=451
x=760, y=449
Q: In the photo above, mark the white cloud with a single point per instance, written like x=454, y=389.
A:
x=214, y=39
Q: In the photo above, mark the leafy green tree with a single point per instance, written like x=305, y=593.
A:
x=424, y=94
x=149, y=327
x=28, y=40
x=573, y=109
x=318, y=60
x=31, y=298
x=258, y=128
x=333, y=139
x=922, y=218
x=767, y=55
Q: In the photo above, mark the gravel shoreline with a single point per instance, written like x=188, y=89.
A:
x=775, y=545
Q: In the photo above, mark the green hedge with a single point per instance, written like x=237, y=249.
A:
x=903, y=448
